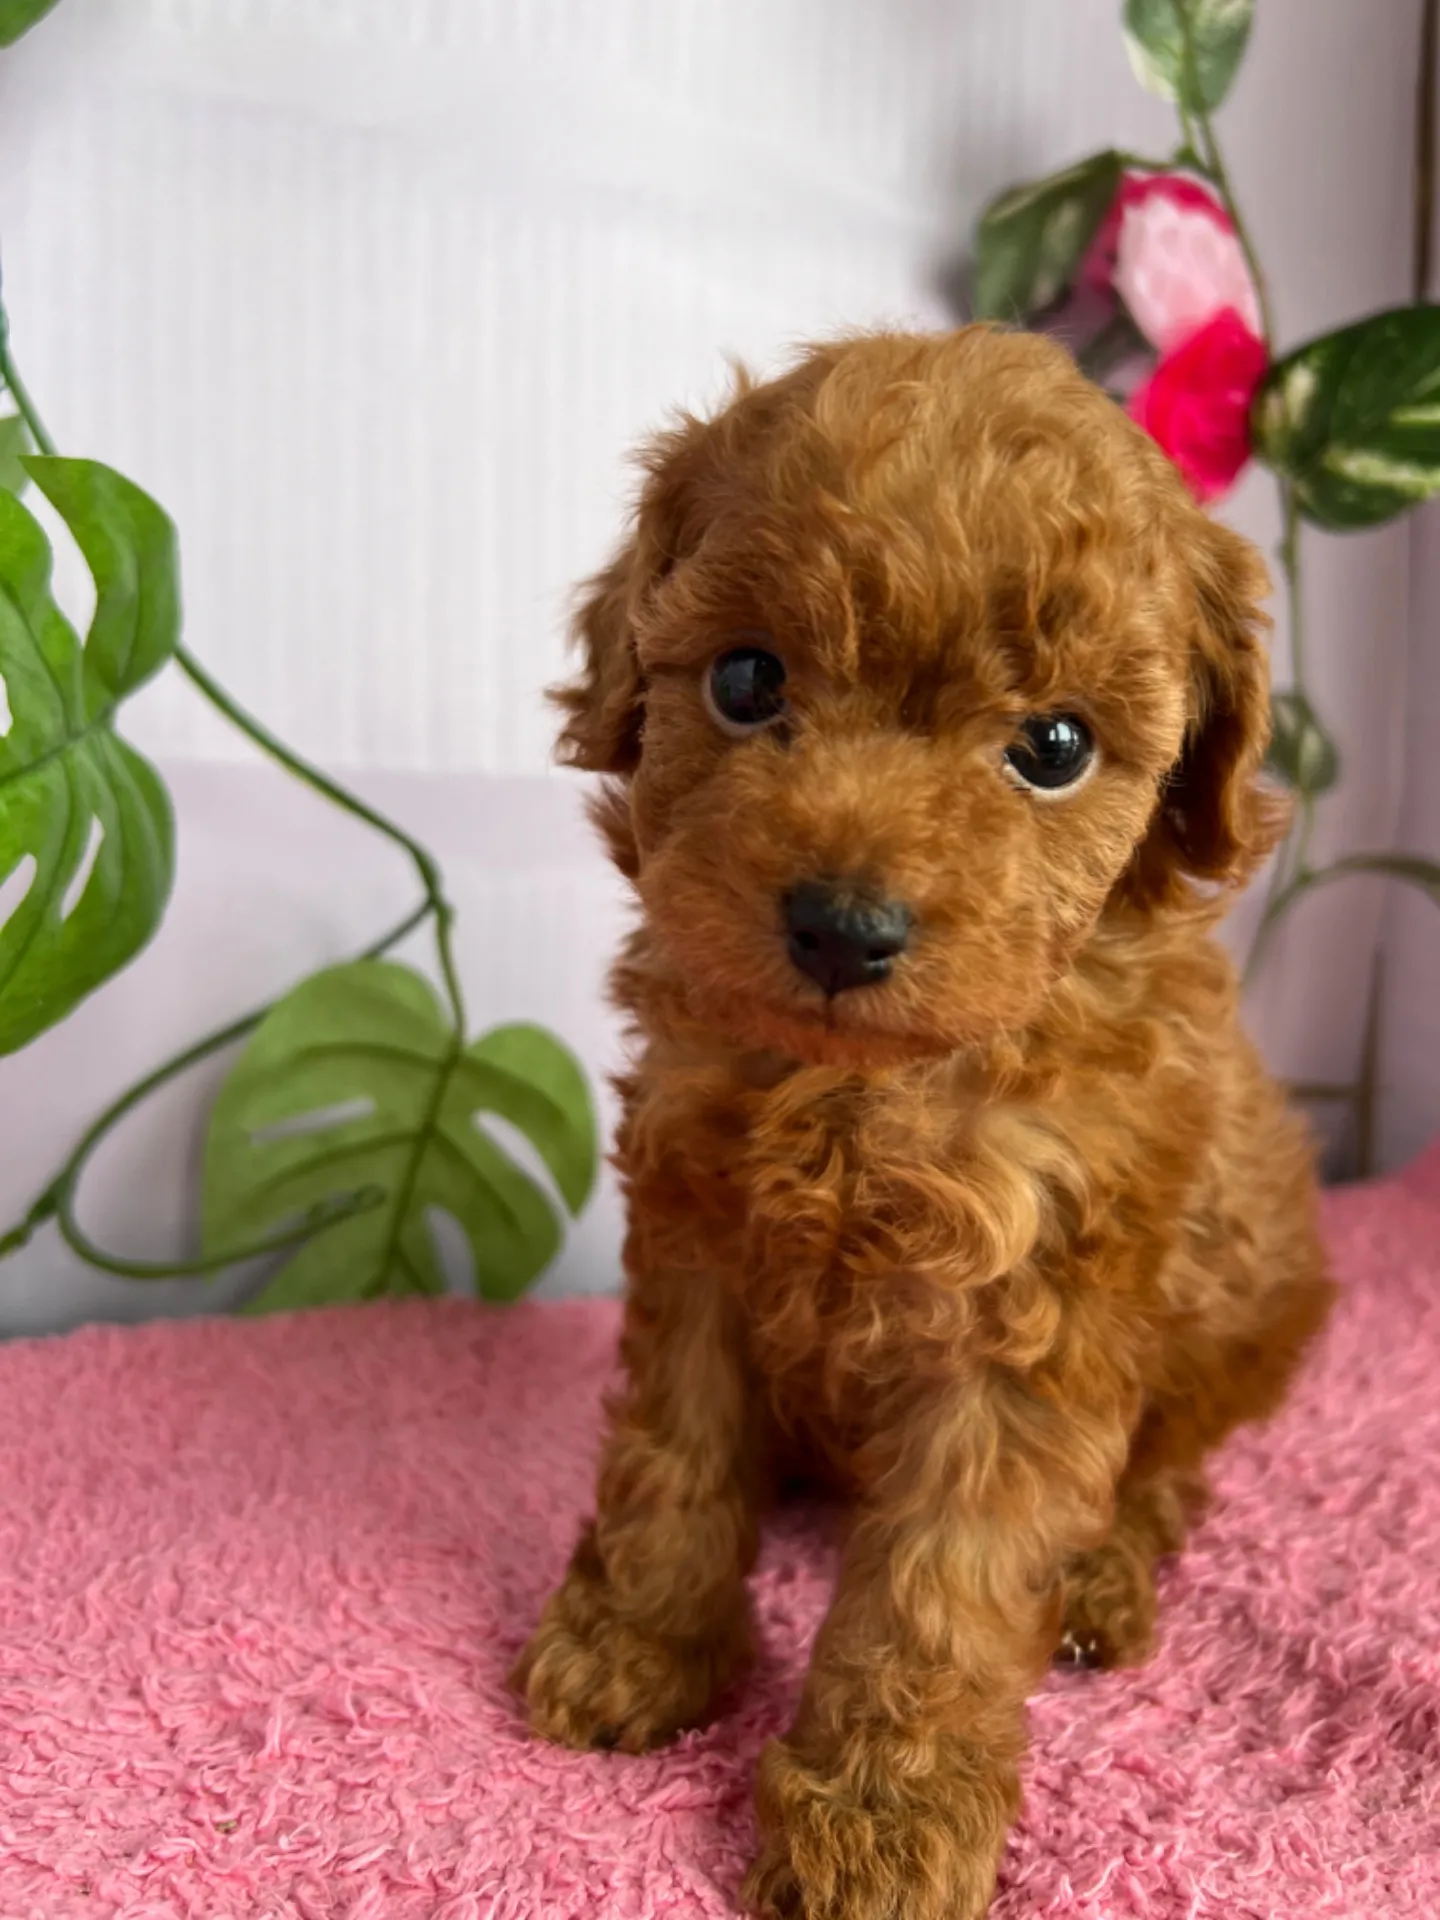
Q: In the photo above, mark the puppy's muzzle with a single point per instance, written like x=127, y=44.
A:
x=840, y=938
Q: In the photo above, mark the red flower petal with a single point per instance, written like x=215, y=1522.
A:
x=1196, y=404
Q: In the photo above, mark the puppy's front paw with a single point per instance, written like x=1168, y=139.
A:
x=908, y=1849
x=1109, y=1616
x=591, y=1678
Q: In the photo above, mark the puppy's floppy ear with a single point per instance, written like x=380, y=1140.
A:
x=1217, y=819
x=605, y=705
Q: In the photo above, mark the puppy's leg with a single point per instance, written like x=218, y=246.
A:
x=891, y=1796
x=1110, y=1589
x=651, y=1620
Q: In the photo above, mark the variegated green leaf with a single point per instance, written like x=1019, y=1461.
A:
x=1302, y=754
x=1187, y=50
x=1032, y=239
x=1353, y=419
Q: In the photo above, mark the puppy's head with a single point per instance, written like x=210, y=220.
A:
x=919, y=663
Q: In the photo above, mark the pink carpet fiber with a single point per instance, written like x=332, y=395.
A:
x=260, y=1583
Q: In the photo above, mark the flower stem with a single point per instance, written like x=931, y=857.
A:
x=1195, y=118
x=1214, y=160
x=1291, y=861
x=1291, y=869
x=1291, y=872
x=1188, y=143
x=1290, y=566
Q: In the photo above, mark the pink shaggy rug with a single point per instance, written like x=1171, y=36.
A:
x=260, y=1583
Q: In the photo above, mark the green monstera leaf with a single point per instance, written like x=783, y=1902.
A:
x=1187, y=50
x=18, y=16
x=354, y=1085
x=1032, y=239
x=1353, y=419
x=13, y=442
x=86, y=837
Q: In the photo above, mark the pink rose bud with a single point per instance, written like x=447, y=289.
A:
x=1170, y=251
x=1196, y=404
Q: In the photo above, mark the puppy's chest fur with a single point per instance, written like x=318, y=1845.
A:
x=877, y=1233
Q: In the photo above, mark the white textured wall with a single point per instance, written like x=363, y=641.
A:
x=373, y=294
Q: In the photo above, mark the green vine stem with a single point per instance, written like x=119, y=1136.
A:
x=425, y=864
x=1393, y=866
x=1290, y=566
x=58, y=1200
x=1209, y=150
x=1292, y=857
x=1291, y=860
x=19, y=393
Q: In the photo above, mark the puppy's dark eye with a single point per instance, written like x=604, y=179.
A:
x=1052, y=752
x=745, y=689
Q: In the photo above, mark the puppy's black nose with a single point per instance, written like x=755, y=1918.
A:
x=842, y=939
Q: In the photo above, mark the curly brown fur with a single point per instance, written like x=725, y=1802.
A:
x=1000, y=1247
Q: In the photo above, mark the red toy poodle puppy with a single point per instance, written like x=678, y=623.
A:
x=933, y=713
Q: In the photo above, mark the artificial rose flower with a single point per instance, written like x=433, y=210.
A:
x=1134, y=190
x=1170, y=251
x=1196, y=404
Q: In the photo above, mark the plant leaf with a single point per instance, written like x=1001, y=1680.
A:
x=1353, y=419
x=129, y=547
x=1187, y=50
x=18, y=16
x=523, y=1073
x=353, y=1083
x=13, y=442
x=1032, y=239
x=80, y=811
x=1302, y=754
